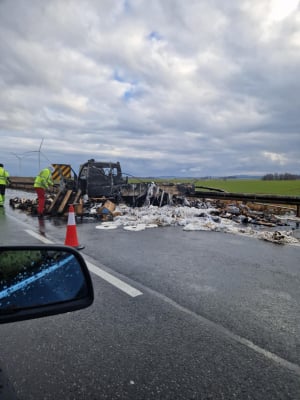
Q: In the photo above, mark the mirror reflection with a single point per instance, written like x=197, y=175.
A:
x=31, y=278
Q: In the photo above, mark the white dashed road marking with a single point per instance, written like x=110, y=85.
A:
x=124, y=287
x=131, y=291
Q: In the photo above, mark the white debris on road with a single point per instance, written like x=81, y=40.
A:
x=202, y=218
x=191, y=219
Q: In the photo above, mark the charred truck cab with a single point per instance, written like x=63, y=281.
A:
x=97, y=179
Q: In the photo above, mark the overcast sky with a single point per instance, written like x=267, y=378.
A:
x=166, y=87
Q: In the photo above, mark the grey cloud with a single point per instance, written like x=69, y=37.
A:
x=192, y=87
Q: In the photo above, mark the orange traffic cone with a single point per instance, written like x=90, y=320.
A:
x=71, y=235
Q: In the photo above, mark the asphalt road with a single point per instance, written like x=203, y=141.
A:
x=191, y=315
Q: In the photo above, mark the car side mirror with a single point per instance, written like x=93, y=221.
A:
x=39, y=280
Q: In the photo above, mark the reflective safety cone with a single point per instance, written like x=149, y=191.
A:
x=71, y=235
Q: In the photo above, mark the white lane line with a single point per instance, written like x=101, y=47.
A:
x=227, y=333
x=39, y=237
x=224, y=331
x=131, y=291
x=124, y=287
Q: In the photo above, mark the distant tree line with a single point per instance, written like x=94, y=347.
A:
x=280, y=177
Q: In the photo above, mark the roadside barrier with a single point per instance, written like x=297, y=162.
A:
x=71, y=234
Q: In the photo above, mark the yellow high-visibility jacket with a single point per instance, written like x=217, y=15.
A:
x=44, y=179
x=4, y=176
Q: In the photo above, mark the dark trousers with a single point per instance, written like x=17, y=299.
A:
x=2, y=189
x=2, y=194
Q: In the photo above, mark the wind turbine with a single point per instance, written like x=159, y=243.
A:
x=20, y=158
x=40, y=154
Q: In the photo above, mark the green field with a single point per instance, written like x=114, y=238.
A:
x=285, y=188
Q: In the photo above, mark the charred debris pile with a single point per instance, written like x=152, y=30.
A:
x=107, y=208
x=100, y=189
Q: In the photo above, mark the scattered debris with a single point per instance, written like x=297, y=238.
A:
x=107, y=225
x=170, y=205
x=278, y=237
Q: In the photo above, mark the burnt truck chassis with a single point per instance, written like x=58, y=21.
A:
x=100, y=179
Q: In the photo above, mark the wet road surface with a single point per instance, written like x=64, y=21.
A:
x=177, y=315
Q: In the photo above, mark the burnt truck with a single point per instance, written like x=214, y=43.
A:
x=97, y=180
x=100, y=179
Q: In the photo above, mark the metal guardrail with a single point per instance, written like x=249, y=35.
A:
x=25, y=184
x=22, y=183
x=247, y=197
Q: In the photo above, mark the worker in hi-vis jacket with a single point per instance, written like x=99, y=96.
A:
x=4, y=181
x=41, y=184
